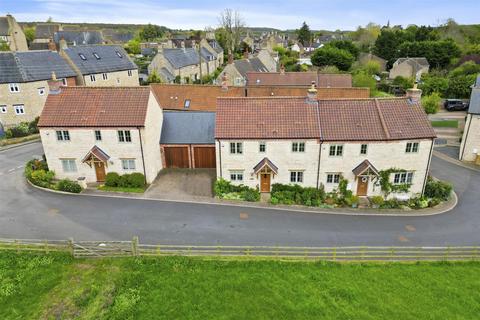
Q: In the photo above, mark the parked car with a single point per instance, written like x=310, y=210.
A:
x=455, y=105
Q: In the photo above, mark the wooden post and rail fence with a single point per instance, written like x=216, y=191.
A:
x=108, y=249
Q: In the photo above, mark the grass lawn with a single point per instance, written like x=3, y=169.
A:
x=445, y=123
x=121, y=189
x=56, y=286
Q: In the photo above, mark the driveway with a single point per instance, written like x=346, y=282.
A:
x=26, y=212
x=182, y=184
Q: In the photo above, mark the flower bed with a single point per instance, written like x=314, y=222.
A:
x=36, y=171
x=223, y=189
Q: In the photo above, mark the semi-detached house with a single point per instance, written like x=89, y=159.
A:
x=314, y=143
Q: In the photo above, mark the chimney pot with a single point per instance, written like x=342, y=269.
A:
x=414, y=94
x=224, y=82
x=282, y=69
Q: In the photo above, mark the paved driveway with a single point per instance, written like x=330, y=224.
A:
x=182, y=184
x=30, y=213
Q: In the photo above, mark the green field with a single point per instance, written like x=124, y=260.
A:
x=56, y=286
x=445, y=123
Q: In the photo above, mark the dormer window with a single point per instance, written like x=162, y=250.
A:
x=119, y=54
x=96, y=56
x=82, y=56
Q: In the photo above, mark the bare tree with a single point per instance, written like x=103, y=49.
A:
x=232, y=25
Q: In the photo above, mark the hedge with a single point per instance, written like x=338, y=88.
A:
x=129, y=180
x=295, y=194
x=68, y=186
x=226, y=190
x=22, y=130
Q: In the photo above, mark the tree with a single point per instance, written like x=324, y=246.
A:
x=304, y=35
x=4, y=46
x=133, y=46
x=364, y=80
x=151, y=32
x=231, y=28
x=345, y=45
x=387, y=43
x=154, y=77
x=431, y=103
x=404, y=83
x=366, y=37
x=331, y=56
x=459, y=86
x=438, y=53
x=29, y=34
x=431, y=83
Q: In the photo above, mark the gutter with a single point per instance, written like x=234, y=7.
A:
x=143, y=158
x=466, y=137
x=220, y=157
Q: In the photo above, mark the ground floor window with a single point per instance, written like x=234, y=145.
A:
x=19, y=109
x=128, y=164
x=236, y=175
x=296, y=176
x=333, y=178
x=403, y=177
x=69, y=165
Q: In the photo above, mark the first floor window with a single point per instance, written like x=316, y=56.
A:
x=69, y=165
x=296, y=176
x=262, y=147
x=411, y=147
x=63, y=135
x=93, y=78
x=363, y=149
x=298, y=146
x=336, y=150
x=98, y=135
x=129, y=73
x=236, y=175
x=3, y=109
x=19, y=109
x=333, y=178
x=128, y=164
x=14, y=87
x=236, y=147
x=105, y=76
x=124, y=136
x=403, y=177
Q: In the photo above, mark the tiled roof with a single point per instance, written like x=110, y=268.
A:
x=112, y=58
x=166, y=74
x=299, y=79
x=79, y=37
x=474, y=107
x=96, y=107
x=32, y=66
x=421, y=62
x=97, y=153
x=266, y=118
x=244, y=66
x=265, y=162
x=202, y=97
x=188, y=127
x=4, y=26
x=363, y=166
x=216, y=46
x=46, y=30
x=329, y=120
x=180, y=58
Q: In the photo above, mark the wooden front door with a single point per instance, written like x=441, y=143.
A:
x=100, y=171
x=265, y=182
x=362, y=186
x=176, y=157
x=204, y=157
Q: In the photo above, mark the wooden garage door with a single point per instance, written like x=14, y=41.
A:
x=204, y=157
x=176, y=157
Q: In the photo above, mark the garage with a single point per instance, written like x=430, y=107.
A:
x=176, y=157
x=188, y=139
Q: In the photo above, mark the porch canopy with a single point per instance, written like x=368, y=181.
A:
x=95, y=155
x=267, y=165
x=365, y=168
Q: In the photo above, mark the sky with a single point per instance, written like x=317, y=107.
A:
x=198, y=14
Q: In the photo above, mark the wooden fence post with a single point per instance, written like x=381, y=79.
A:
x=45, y=243
x=135, y=246
x=71, y=247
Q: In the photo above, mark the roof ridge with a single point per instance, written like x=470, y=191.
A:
x=382, y=120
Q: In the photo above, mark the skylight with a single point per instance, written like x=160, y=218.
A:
x=82, y=56
x=119, y=54
x=96, y=56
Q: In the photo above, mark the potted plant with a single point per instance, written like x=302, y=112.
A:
x=354, y=200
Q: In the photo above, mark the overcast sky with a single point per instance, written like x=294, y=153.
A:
x=197, y=14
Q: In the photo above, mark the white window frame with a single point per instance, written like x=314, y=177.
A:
x=3, y=108
x=19, y=107
x=41, y=91
x=337, y=150
x=236, y=147
x=236, y=175
x=124, y=136
x=333, y=178
x=69, y=165
x=264, y=145
x=14, y=87
x=93, y=78
x=63, y=135
x=98, y=135
x=296, y=176
x=362, y=147
x=130, y=73
x=412, y=147
x=105, y=76
x=403, y=177
x=298, y=146
x=128, y=164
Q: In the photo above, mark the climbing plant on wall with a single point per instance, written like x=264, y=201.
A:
x=387, y=186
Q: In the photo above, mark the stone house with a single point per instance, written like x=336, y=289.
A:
x=409, y=68
x=44, y=34
x=101, y=65
x=235, y=72
x=316, y=143
x=88, y=132
x=23, y=83
x=470, y=146
x=12, y=34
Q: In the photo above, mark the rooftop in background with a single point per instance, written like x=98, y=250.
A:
x=181, y=57
x=77, y=38
x=96, y=107
x=245, y=66
x=328, y=120
x=416, y=62
x=96, y=59
x=46, y=30
x=4, y=26
x=188, y=128
x=299, y=79
x=31, y=66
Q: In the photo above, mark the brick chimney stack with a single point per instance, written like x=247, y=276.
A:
x=55, y=85
x=51, y=45
x=282, y=69
x=414, y=94
x=312, y=93
x=224, y=82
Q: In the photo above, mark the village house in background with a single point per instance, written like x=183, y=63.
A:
x=409, y=68
x=12, y=34
x=44, y=34
x=101, y=65
x=88, y=132
x=314, y=143
x=23, y=83
x=470, y=146
x=78, y=38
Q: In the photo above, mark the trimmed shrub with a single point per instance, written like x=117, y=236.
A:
x=438, y=189
x=112, y=179
x=68, y=186
x=251, y=195
x=377, y=200
x=42, y=178
x=295, y=194
x=226, y=190
x=431, y=103
x=136, y=180
x=21, y=130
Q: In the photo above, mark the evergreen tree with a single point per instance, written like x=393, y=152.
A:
x=304, y=34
